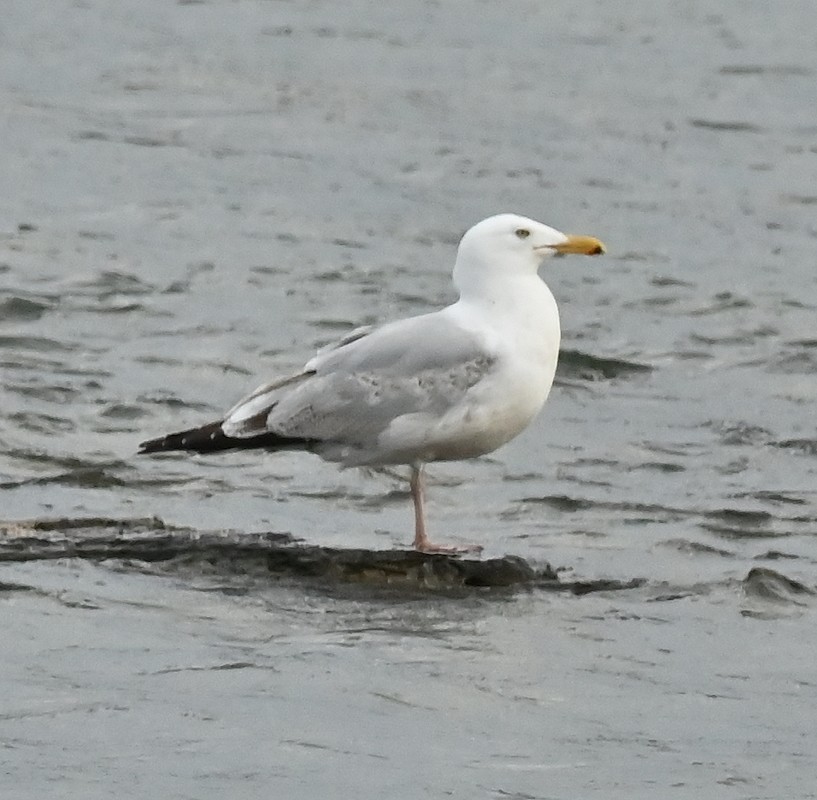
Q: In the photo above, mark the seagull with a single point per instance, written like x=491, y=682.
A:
x=451, y=384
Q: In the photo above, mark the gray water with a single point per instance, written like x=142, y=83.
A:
x=198, y=195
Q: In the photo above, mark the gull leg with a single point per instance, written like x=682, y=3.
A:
x=421, y=540
x=417, y=484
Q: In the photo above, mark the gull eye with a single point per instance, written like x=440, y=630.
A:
x=522, y=233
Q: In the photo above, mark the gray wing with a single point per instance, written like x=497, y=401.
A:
x=349, y=394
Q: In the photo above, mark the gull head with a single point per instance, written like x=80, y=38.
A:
x=513, y=244
x=508, y=246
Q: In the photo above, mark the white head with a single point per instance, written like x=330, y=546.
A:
x=507, y=245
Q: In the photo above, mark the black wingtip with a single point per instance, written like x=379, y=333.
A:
x=212, y=439
x=206, y=439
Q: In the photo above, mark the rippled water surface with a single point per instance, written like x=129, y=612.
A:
x=198, y=195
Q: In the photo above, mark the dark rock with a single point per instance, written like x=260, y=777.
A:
x=269, y=554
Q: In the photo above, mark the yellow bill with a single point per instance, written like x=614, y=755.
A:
x=580, y=245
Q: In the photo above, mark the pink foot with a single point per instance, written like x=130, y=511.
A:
x=447, y=549
x=421, y=541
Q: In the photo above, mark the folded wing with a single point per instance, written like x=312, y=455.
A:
x=350, y=394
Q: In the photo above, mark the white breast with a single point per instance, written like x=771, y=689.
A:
x=525, y=344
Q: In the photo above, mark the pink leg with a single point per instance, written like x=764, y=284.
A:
x=421, y=540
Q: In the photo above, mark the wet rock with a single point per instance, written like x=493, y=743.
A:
x=136, y=541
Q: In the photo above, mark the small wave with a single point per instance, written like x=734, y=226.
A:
x=689, y=546
x=768, y=584
x=658, y=466
x=775, y=498
x=40, y=344
x=727, y=523
x=775, y=555
x=576, y=364
x=803, y=362
x=83, y=478
x=41, y=423
x=111, y=282
x=574, y=504
x=807, y=447
x=49, y=394
x=801, y=199
x=21, y=309
x=739, y=433
x=664, y=281
x=766, y=69
x=733, y=523
x=731, y=126
x=723, y=301
x=123, y=411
